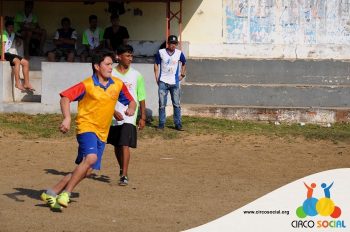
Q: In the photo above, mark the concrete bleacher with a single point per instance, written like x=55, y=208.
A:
x=268, y=90
x=260, y=90
x=54, y=77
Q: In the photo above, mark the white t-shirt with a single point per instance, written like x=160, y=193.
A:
x=135, y=83
x=169, y=65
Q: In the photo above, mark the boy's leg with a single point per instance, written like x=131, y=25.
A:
x=16, y=69
x=26, y=35
x=25, y=71
x=51, y=56
x=175, y=98
x=59, y=187
x=126, y=160
x=118, y=151
x=128, y=138
x=70, y=56
x=162, y=95
x=81, y=171
x=42, y=36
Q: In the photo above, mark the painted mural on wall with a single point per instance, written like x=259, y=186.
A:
x=287, y=21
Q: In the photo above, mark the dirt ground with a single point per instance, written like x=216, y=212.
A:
x=174, y=185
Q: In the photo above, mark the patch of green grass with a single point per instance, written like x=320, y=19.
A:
x=33, y=126
x=200, y=126
x=46, y=126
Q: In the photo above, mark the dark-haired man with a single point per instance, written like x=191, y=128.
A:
x=92, y=39
x=115, y=35
x=65, y=41
x=168, y=74
x=123, y=133
x=96, y=96
x=27, y=26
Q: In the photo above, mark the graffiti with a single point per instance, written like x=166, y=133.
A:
x=261, y=21
x=287, y=21
x=237, y=21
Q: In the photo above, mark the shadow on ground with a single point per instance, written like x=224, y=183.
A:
x=93, y=176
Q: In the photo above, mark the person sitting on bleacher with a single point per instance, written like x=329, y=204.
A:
x=92, y=39
x=116, y=34
x=65, y=41
x=27, y=27
x=9, y=38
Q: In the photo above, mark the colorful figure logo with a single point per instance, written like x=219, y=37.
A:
x=323, y=206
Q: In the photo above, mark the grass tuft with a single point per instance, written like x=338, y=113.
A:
x=46, y=126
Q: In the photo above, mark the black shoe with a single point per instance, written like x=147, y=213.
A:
x=160, y=128
x=123, y=181
x=179, y=128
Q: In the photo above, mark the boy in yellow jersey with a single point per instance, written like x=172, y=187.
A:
x=96, y=96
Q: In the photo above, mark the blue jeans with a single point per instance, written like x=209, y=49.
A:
x=163, y=89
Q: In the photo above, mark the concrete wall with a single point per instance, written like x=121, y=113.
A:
x=236, y=71
x=6, y=82
x=59, y=76
x=295, y=29
x=268, y=83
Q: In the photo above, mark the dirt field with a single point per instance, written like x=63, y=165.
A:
x=174, y=185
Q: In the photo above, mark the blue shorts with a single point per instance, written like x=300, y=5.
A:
x=89, y=143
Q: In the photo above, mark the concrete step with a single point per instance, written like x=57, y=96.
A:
x=29, y=96
x=325, y=72
x=29, y=108
x=274, y=95
x=322, y=116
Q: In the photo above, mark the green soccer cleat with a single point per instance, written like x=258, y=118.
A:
x=63, y=199
x=43, y=197
x=52, y=202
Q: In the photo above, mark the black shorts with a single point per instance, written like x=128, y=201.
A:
x=123, y=135
x=10, y=57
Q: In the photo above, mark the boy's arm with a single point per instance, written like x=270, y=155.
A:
x=142, y=121
x=126, y=99
x=74, y=93
x=130, y=111
x=183, y=71
x=65, y=108
x=118, y=116
x=157, y=62
x=156, y=72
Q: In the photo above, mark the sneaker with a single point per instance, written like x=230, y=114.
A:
x=50, y=200
x=123, y=181
x=179, y=128
x=44, y=197
x=63, y=199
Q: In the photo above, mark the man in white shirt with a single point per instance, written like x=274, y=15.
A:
x=168, y=75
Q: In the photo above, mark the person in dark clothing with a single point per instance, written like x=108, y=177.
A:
x=115, y=35
x=65, y=39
